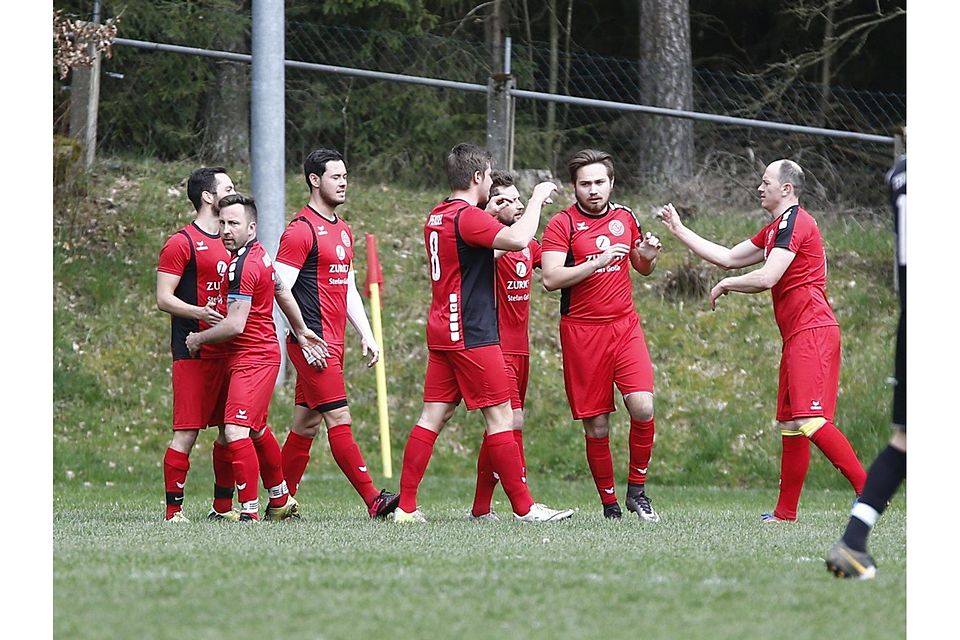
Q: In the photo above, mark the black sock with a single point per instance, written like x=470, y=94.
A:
x=634, y=489
x=883, y=480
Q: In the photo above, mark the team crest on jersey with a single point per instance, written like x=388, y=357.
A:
x=345, y=238
x=616, y=227
x=526, y=252
x=603, y=243
x=321, y=230
x=221, y=267
x=341, y=252
x=521, y=269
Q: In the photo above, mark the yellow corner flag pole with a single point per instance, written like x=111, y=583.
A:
x=374, y=280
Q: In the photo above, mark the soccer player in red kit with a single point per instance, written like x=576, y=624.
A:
x=191, y=267
x=315, y=261
x=584, y=251
x=795, y=271
x=250, y=335
x=464, y=358
x=513, y=278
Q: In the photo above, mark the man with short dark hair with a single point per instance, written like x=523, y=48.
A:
x=315, y=260
x=191, y=265
x=464, y=357
x=586, y=249
x=250, y=335
x=514, y=275
x=795, y=271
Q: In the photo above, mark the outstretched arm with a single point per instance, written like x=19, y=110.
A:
x=743, y=255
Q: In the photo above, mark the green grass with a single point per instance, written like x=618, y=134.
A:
x=708, y=570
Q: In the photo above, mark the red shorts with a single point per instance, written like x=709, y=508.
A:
x=250, y=389
x=518, y=373
x=597, y=356
x=319, y=389
x=199, y=392
x=478, y=376
x=809, y=374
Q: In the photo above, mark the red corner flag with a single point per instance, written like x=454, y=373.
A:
x=374, y=273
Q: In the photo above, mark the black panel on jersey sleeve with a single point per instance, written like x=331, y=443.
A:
x=785, y=228
x=306, y=290
x=568, y=262
x=187, y=291
x=614, y=205
x=478, y=306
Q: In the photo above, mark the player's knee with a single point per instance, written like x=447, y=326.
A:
x=596, y=427
x=234, y=432
x=183, y=440
x=336, y=417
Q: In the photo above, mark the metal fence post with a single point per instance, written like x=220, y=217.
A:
x=267, y=131
x=85, y=100
x=500, y=113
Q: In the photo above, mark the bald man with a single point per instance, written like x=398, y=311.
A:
x=795, y=271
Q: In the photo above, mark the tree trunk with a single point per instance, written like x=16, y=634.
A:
x=552, y=81
x=826, y=68
x=665, y=146
x=226, y=139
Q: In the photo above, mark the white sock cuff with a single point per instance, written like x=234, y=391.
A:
x=865, y=513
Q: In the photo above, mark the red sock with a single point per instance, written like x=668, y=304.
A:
x=416, y=457
x=837, y=448
x=271, y=467
x=641, y=446
x=222, y=479
x=794, y=461
x=518, y=436
x=246, y=471
x=486, y=480
x=175, y=467
x=296, y=455
x=601, y=466
x=505, y=458
x=347, y=454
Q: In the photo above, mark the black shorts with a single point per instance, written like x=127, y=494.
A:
x=900, y=374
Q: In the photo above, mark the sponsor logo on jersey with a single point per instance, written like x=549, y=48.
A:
x=341, y=252
x=241, y=414
x=345, y=237
x=436, y=219
x=521, y=269
x=603, y=243
x=616, y=227
x=816, y=406
x=582, y=226
x=321, y=230
x=201, y=245
x=221, y=267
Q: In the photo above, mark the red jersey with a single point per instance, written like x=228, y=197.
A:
x=200, y=260
x=514, y=276
x=800, y=298
x=250, y=277
x=323, y=252
x=459, y=242
x=606, y=294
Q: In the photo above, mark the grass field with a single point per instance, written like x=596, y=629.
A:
x=708, y=570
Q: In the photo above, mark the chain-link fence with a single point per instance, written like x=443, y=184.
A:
x=401, y=131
